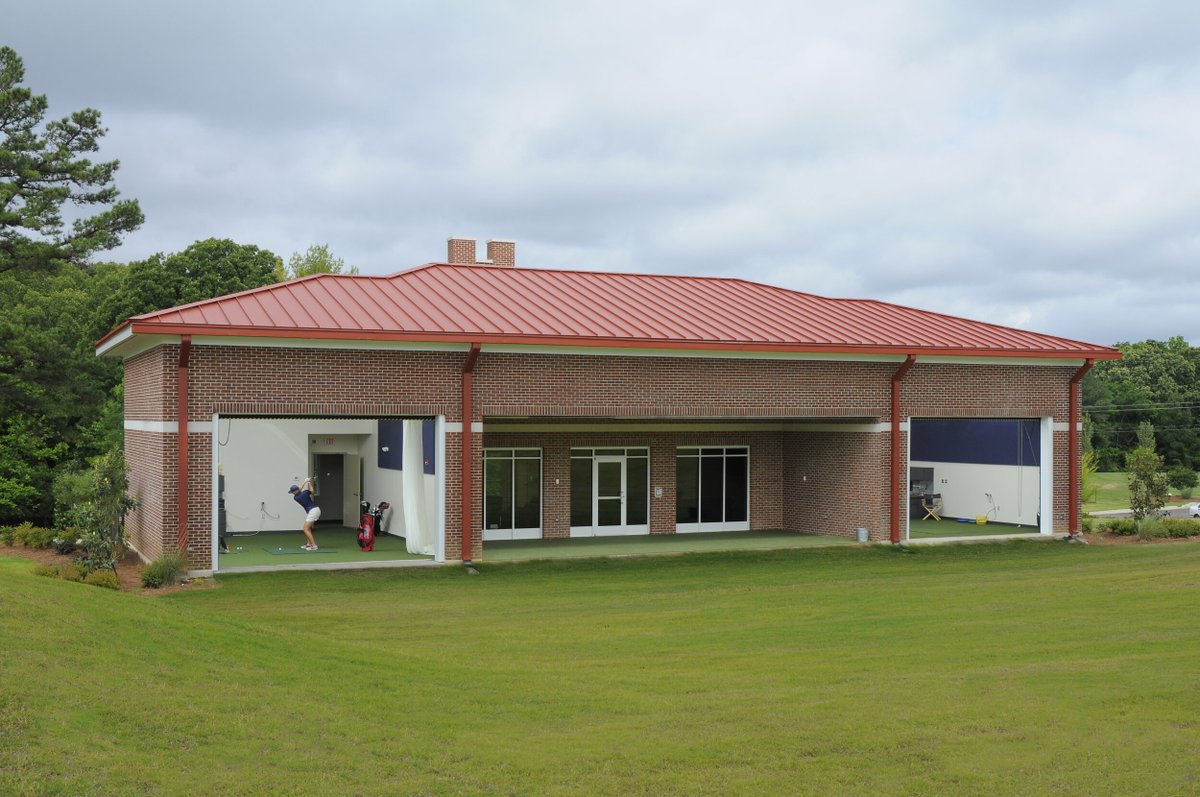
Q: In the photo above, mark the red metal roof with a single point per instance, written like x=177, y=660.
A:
x=477, y=303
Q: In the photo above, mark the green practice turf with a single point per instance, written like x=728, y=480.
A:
x=1028, y=668
x=950, y=527
x=335, y=544
x=298, y=551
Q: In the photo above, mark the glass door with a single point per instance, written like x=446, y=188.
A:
x=609, y=496
x=610, y=491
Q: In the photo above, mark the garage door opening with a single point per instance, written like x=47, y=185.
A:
x=972, y=477
x=393, y=461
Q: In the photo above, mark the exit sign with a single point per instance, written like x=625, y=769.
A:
x=328, y=441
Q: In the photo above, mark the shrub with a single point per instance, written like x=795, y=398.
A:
x=1181, y=527
x=72, y=489
x=101, y=517
x=1151, y=527
x=1122, y=526
x=71, y=572
x=6, y=535
x=1089, y=524
x=32, y=536
x=163, y=571
x=1182, y=478
x=50, y=571
x=66, y=542
x=103, y=578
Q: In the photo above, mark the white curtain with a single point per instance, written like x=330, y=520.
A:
x=418, y=525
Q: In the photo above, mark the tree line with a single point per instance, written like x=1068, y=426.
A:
x=1150, y=398
x=61, y=406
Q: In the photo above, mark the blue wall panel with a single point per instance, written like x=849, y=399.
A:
x=391, y=437
x=979, y=441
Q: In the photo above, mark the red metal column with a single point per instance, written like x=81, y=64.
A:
x=181, y=468
x=894, y=492
x=468, y=415
x=1074, y=470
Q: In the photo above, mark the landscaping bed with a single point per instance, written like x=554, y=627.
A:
x=129, y=568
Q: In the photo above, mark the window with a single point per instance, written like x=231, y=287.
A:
x=712, y=489
x=512, y=491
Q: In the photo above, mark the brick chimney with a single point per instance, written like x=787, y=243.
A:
x=502, y=253
x=461, y=252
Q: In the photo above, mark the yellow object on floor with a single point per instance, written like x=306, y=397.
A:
x=980, y=520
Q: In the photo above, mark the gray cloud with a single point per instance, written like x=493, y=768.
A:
x=1030, y=164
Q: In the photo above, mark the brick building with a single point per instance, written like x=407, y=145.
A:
x=547, y=403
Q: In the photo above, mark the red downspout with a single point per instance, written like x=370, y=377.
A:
x=181, y=381
x=468, y=415
x=1073, y=458
x=895, y=491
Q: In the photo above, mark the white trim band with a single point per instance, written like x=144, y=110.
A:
x=712, y=426
x=170, y=427
x=456, y=428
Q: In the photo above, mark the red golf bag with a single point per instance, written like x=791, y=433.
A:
x=366, y=529
x=372, y=520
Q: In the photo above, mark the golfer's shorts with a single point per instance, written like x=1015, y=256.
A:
x=314, y=514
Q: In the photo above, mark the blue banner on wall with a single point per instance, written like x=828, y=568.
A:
x=978, y=441
x=391, y=444
x=427, y=441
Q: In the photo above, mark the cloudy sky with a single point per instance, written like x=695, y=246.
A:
x=1026, y=162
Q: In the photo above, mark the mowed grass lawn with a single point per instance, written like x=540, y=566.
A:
x=1023, y=668
x=1112, y=491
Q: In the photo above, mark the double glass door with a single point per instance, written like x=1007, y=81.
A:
x=609, y=492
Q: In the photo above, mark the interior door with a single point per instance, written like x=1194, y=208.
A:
x=330, y=486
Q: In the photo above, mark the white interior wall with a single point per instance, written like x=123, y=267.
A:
x=261, y=457
x=1016, y=490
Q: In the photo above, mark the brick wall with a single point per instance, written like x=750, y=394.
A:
x=837, y=482
x=334, y=382
x=676, y=387
x=151, y=458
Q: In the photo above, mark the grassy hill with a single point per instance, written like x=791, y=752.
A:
x=1026, y=668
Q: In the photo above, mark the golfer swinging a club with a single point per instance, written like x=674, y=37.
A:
x=302, y=494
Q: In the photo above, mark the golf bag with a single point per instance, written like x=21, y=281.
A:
x=372, y=521
x=366, y=529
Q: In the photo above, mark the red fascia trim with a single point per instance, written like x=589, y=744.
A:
x=181, y=470
x=611, y=342
x=894, y=492
x=1074, y=457
x=468, y=415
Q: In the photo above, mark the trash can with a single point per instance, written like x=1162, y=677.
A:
x=861, y=535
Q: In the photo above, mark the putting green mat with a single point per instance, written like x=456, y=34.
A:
x=297, y=549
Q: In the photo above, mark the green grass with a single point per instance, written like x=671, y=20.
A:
x=1026, y=668
x=1112, y=492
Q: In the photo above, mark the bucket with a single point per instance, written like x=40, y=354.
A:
x=981, y=519
x=861, y=535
